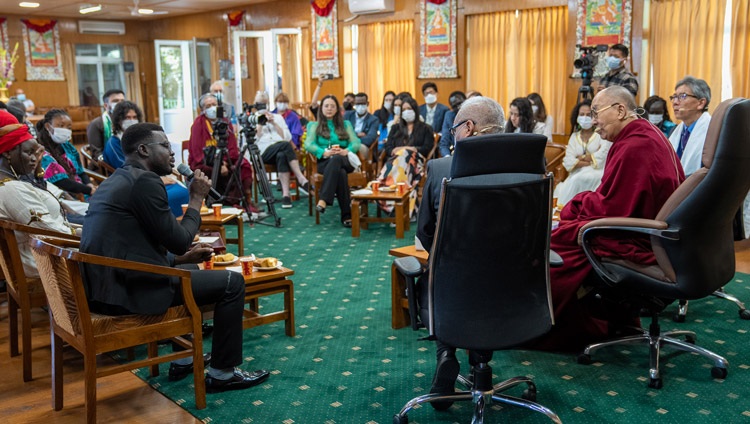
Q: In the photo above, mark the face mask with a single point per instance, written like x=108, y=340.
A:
x=585, y=122
x=282, y=106
x=112, y=107
x=127, y=123
x=613, y=62
x=61, y=135
x=655, y=119
x=21, y=97
x=211, y=113
x=396, y=110
x=347, y=105
x=534, y=109
x=361, y=109
x=408, y=115
x=387, y=105
x=430, y=98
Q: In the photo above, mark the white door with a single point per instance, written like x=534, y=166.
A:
x=175, y=88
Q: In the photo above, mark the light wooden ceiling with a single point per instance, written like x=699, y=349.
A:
x=121, y=9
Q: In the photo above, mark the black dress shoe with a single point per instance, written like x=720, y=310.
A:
x=320, y=209
x=444, y=381
x=240, y=380
x=347, y=223
x=207, y=329
x=178, y=372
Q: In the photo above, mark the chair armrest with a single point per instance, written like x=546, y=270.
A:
x=95, y=175
x=555, y=260
x=409, y=266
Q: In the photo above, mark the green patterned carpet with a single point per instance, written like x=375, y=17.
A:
x=346, y=364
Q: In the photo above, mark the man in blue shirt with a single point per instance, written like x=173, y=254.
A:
x=365, y=124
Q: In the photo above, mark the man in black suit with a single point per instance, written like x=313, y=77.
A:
x=364, y=123
x=476, y=116
x=432, y=112
x=130, y=219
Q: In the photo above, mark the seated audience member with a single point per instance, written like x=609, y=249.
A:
x=28, y=105
x=100, y=129
x=617, y=57
x=658, y=114
x=446, y=138
x=521, y=118
x=409, y=143
x=274, y=142
x=16, y=108
x=348, y=103
x=541, y=115
x=217, y=89
x=314, y=105
x=290, y=117
x=472, y=93
x=365, y=124
x=642, y=172
x=61, y=161
x=202, y=146
x=477, y=116
x=130, y=219
x=24, y=199
x=397, y=102
x=384, y=115
x=331, y=139
x=584, y=157
x=690, y=104
x=431, y=111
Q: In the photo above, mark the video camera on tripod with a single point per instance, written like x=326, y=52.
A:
x=586, y=64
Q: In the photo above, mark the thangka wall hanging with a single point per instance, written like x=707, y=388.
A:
x=41, y=43
x=602, y=22
x=325, y=38
x=437, y=39
x=236, y=22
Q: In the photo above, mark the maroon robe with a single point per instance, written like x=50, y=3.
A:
x=641, y=172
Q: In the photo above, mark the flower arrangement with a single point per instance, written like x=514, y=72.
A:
x=7, y=62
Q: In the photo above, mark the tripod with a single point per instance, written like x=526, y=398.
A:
x=247, y=141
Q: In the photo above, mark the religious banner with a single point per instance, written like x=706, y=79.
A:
x=237, y=23
x=41, y=43
x=602, y=22
x=325, y=42
x=437, y=39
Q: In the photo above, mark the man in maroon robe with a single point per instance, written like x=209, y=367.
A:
x=641, y=172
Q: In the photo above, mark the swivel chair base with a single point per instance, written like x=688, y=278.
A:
x=481, y=393
x=721, y=294
x=656, y=339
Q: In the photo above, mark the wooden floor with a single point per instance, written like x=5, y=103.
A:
x=121, y=397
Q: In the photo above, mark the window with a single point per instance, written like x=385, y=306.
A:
x=99, y=69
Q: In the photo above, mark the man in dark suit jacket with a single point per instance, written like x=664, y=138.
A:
x=365, y=124
x=130, y=219
x=432, y=112
x=477, y=116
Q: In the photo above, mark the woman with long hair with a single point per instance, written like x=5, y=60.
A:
x=331, y=140
x=658, y=114
x=385, y=115
x=541, y=115
x=124, y=115
x=521, y=118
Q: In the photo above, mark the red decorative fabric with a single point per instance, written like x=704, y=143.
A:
x=16, y=133
x=2, y=20
x=235, y=18
x=322, y=7
x=39, y=25
x=436, y=1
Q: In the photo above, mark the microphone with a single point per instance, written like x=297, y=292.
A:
x=185, y=171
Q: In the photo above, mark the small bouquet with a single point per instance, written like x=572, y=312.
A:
x=7, y=62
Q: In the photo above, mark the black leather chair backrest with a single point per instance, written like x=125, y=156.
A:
x=489, y=272
x=499, y=153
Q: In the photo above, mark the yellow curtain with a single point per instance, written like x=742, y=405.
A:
x=386, y=59
x=71, y=73
x=290, y=59
x=686, y=39
x=740, y=48
x=513, y=56
x=133, y=79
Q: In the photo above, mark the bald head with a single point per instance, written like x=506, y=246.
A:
x=486, y=114
x=618, y=94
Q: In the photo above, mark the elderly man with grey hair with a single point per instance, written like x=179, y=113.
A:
x=690, y=103
x=217, y=89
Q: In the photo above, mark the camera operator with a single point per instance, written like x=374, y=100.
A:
x=203, y=144
x=274, y=142
x=616, y=59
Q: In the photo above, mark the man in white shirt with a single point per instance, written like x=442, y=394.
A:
x=690, y=103
x=432, y=112
x=27, y=103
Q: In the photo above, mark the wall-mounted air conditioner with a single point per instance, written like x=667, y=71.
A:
x=101, y=27
x=364, y=7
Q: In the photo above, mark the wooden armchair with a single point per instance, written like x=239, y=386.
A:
x=356, y=179
x=554, y=155
x=23, y=293
x=87, y=158
x=91, y=334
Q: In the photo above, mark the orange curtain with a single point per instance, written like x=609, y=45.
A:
x=686, y=39
x=511, y=56
x=386, y=59
x=740, y=48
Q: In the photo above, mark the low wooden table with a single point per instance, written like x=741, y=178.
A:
x=399, y=302
x=212, y=223
x=361, y=217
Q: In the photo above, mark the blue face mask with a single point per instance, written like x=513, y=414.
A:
x=613, y=62
x=21, y=97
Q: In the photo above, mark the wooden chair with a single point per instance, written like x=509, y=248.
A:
x=87, y=158
x=356, y=179
x=186, y=151
x=554, y=155
x=23, y=293
x=91, y=334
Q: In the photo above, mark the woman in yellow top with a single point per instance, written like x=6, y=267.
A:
x=331, y=139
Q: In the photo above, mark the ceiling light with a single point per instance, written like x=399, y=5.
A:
x=145, y=11
x=87, y=8
x=28, y=4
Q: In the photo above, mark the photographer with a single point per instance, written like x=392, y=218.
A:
x=203, y=144
x=618, y=74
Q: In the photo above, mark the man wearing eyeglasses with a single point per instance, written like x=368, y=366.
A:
x=129, y=218
x=690, y=103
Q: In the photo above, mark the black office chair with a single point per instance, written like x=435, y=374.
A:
x=489, y=279
x=692, y=239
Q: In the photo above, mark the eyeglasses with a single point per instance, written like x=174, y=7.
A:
x=164, y=144
x=682, y=96
x=457, y=126
x=595, y=113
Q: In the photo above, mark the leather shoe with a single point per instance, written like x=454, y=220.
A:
x=320, y=209
x=347, y=223
x=444, y=381
x=240, y=380
x=178, y=372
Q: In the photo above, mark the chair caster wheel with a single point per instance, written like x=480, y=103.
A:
x=655, y=383
x=678, y=318
x=584, y=359
x=398, y=419
x=720, y=373
x=529, y=394
x=744, y=314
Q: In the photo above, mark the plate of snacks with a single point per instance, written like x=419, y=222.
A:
x=388, y=189
x=225, y=259
x=266, y=264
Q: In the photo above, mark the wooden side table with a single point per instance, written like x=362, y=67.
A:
x=399, y=302
x=361, y=217
x=212, y=223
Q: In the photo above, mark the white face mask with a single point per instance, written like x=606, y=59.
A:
x=127, y=123
x=396, y=110
x=655, y=119
x=430, y=98
x=387, y=105
x=585, y=122
x=534, y=109
x=60, y=135
x=112, y=107
x=211, y=113
x=360, y=109
x=408, y=115
x=282, y=106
